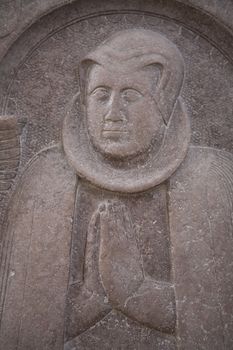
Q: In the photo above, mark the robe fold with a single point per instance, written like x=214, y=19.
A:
x=36, y=249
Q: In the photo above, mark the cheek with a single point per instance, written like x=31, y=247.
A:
x=95, y=114
x=144, y=118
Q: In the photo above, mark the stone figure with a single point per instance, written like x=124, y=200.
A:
x=124, y=217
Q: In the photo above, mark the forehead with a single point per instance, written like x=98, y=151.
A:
x=117, y=76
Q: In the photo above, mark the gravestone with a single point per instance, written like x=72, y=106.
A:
x=116, y=175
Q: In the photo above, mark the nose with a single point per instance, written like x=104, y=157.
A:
x=114, y=114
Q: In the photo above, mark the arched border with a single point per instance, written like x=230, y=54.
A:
x=193, y=19
x=45, y=7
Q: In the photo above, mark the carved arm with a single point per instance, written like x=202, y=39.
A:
x=143, y=299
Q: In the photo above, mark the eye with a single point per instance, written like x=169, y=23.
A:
x=101, y=94
x=131, y=95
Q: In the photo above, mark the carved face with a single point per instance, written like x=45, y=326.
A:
x=122, y=116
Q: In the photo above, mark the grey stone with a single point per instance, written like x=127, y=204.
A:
x=116, y=175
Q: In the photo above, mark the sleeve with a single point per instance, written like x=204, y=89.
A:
x=200, y=207
x=35, y=257
x=220, y=214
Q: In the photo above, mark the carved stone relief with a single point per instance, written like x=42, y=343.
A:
x=10, y=11
x=127, y=76
x=117, y=222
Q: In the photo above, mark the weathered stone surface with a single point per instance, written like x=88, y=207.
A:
x=116, y=175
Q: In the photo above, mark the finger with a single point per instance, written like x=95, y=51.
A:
x=91, y=273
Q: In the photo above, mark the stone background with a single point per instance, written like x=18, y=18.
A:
x=30, y=10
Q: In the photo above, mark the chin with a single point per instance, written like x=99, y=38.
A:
x=114, y=150
x=117, y=150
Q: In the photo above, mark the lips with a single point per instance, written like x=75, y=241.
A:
x=114, y=130
x=114, y=133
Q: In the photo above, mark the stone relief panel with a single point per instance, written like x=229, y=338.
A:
x=10, y=11
x=117, y=234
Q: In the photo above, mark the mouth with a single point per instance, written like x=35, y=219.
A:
x=114, y=133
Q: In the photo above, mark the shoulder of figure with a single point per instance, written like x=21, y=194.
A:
x=216, y=162
x=49, y=157
x=50, y=161
x=207, y=167
x=46, y=173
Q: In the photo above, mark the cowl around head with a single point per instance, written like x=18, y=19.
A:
x=130, y=113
